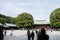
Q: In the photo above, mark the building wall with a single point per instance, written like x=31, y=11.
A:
x=41, y=25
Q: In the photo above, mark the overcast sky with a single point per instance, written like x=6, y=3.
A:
x=39, y=9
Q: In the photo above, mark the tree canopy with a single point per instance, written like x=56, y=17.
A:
x=24, y=20
x=2, y=20
x=7, y=19
x=55, y=18
x=2, y=16
x=10, y=20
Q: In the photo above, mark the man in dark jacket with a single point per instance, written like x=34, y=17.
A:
x=36, y=31
x=32, y=35
x=28, y=34
x=43, y=35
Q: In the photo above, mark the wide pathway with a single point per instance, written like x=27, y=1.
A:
x=21, y=35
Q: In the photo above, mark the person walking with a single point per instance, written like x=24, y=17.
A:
x=11, y=32
x=36, y=31
x=32, y=35
x=43, y=35
x=28, y=34
x=5, y=32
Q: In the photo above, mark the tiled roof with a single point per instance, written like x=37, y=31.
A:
x=35, y=22
x=0, y=24
x=40, y=22
x=8, y=24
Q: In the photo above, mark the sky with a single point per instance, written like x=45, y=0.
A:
x=39, y=9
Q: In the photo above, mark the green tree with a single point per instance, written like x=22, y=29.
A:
x=7, y=19
x=24, y=20
x=2, y=20
x=10, y=20
x=2, y=16
x=55, y=18
x=13, y=20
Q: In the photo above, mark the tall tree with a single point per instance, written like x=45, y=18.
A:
x=24, y=20
x=2, y=16
x=55, y=18
x=2, y=20
x=7, y=19
x=13, y=20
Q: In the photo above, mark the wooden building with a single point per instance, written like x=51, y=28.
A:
x=41, y=23
x=37, y=24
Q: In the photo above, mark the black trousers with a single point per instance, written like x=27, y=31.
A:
x=32, y=38
x=28, y=38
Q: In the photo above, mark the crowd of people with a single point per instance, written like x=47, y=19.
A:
x=30, y=35
x=40, y=35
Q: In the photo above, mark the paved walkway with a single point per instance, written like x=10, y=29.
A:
x=21, y=35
